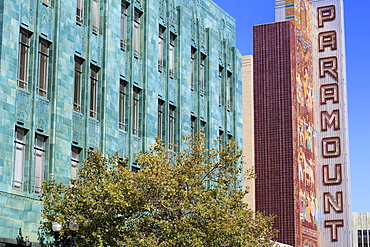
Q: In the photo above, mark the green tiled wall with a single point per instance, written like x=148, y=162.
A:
x=198, y=23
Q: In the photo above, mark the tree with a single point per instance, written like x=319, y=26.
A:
x=179, y=198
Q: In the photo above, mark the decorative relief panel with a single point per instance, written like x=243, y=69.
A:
x=96, y=44
x=80, y=39
x=42, y=113
x=77, y=128
x=123, y=149
x=94, y=133
x=28, y=12
x=46, y=16
x=23, y=107
x=136, y=144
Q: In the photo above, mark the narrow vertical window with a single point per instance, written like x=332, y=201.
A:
x=171, y=127
x=75, y=161
x=77, y=85
x=137, y=16
x=160, y=119
x=220, y=69
x=23, y=54
x=202, y=73
x=193, y=121
x=19, y=151
x=220, y=138
x=202, y=126
x=95, y=15
x=160, y=48
x=229, y=137
x=124, y=6
x=79, y=11
x=366, y=242
x=93, y=91
x=228, y=91
x=135, y=111
x=172, y=55
x=122, y=103
x=43, y=68
x=192, y=66
x=39, y=162
x=359, y=238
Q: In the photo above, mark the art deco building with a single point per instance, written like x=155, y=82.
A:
x=361, y=229
x=301, y=134
x=109, y=75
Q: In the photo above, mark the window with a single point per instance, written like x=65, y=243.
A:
x=137, y=33
x=93, y=91
x=43, y=68
x=359, y=238
x=77, y=84
x=201, y=71
x=193, y=121
x=171, y=127
x=80, y=11
x=366, y=242
x=172, y=55
x=47, y=2
x=75, y=161
x=229, y=137
x=95, y=15
x=135, y=111
x=124, y=6
x=220, y=137
x=160, y=48
x=19, y=152
x=39, y=162
x=228, y=91
x=202, y=126
x=23, y=54
x=122, y=103
x=220, y=85
x=160, y=118
x=192, y=65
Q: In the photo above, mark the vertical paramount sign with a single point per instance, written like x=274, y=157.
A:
x=331, y=124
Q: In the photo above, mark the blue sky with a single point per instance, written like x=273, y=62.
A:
x=357, y=34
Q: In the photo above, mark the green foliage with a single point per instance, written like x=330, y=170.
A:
x=186, y=198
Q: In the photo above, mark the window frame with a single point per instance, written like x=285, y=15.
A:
x=75, y=161
x=123, y=24
x=95, y=16
x=202, y=74
x=43, y=65
x=160, y=119
x=23, y=58
x=77, y=84
x=123, y=85
x=80, y=11
x=161, y=47
x=137, y=34
x=171, y=124
x=171, y=62
x=39, y=165
x=192, y=67
x=94, y=83
x=18, y=167
x=135, y=110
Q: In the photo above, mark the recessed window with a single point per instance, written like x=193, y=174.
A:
x=42, y=85
x=202, y=126
x=95, y=15
x=77, y=84
x=93, y=91
x=75, y=161
x=160, y=48
x=79, y=11
x=122, y=103
x=193, y=121
x=135, y=111
x=220, y=69
x=19, y=154
x=124, y=6
x=172, y=55
x=192, y=66
x=171, y=127
x=39, y=162
x=202, y=73
x=23, y=56
x=160, y=118
x=137, y=17
x=228, y=91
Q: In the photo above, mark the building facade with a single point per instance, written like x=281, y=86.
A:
x=108, y=75
x=301, y=130
x=361, y=229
